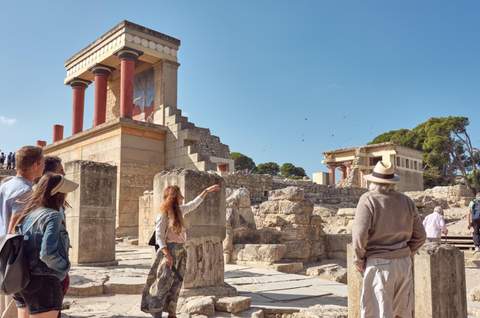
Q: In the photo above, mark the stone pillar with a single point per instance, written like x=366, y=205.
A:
x=146, y=218
x=101, y=73
x=440, y=289
x=41, y=143
x=78, y=88
x=91, y=218
x=331, y=175
x=205, y=231
x=355, y=282
x=57, y=133
x=128, y=58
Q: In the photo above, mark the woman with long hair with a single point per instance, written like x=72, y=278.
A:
x=46, y=247
x=165, y=278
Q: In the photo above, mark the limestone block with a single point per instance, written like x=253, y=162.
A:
x=233, y=304
x=288, y=193
x=322, y=311
x=291, y=268
x=333, y=272
x=91, y=218
x=286, y=207
x=295, y=232
x=318, y=250
x=355, y=282
x=199, y=305
x=258, y=314
x=346, y=212
x=273, y=220
x=440, y=289
x=146, y=218
x=206, y=226
x=303, y=219
x=474, y=294
x=298, y=250
x=268, y=253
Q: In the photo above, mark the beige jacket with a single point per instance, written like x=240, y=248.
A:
x=386, y=226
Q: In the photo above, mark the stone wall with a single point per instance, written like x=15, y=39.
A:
x=448, y=197
x=146, y=218
x=260, y=184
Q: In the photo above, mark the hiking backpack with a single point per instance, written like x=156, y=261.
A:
x=14, y=270
x=476, y=211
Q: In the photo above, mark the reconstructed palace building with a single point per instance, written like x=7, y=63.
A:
x=137, y=125
x=354, y=163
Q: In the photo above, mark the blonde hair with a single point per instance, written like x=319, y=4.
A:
x=171, y=207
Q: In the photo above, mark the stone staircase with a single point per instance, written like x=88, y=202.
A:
x=189, y=146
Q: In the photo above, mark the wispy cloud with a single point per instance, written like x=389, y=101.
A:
x=7, y=121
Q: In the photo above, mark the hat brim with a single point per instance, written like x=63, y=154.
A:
x=372, y=178
x=65, y=186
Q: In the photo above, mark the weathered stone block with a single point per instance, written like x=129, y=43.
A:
x=198, y=305
x=288, y=193
x=346, y=212
x=205, y=226
x=440, y=290
x=267, y=253
x=333, y=272
x=291, y=268
x=355, y=282
x=298, y=250
x=146, y=218
x=233, y=304
x=91, y=218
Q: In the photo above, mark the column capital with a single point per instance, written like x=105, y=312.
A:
x=102, y=69
x=128, y=53
x=78, y=82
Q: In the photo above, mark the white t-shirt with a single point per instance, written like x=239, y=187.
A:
x=434, y=224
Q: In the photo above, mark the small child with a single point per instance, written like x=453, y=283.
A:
x=434, y=225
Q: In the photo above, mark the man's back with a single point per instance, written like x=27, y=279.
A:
x=11, y=191
x=387, y=225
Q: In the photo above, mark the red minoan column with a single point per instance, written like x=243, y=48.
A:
x=344, y=172
x=100, y=108
x=78, y=87
x=57, y=133
x=331, y=175
x=41, y=143
x=127, y=73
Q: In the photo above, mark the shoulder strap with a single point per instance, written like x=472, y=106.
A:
x=35, y=220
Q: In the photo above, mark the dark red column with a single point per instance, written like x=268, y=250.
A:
x=57, y=133
x=100, y=108
x=41, y=143
x=78, y=88
x=331, y=174
x=127, y=73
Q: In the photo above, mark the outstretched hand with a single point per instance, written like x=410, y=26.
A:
x=213, y=188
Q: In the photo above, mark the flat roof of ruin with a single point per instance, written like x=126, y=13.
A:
x=382, y=144
x=121, y=25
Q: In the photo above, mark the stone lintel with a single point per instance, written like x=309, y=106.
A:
x=155, y=46
x=124, y=125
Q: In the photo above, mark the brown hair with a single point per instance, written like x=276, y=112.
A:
x=51, y=164
x=26, y=156
x=171, y=207
x=41, y=197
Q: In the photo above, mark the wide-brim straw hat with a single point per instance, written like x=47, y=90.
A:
x=383, y=173
x=64, y=186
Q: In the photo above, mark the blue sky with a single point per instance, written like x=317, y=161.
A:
x=277, y=80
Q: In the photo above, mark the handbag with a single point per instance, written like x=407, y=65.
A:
x=153, y=241
x=14, y=270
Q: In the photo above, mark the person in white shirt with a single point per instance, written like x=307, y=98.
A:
x=434, y=225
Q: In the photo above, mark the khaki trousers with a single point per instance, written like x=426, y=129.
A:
x=8, y=309
x=387, y=290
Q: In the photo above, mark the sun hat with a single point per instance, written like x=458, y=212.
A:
x=64, y=186
x=383, y=173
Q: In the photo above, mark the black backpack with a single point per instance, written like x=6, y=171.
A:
x=14, y=271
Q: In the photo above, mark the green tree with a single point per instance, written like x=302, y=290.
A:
x=448, y=152
x=242, y=162
x=271, y=168
x=289, y=170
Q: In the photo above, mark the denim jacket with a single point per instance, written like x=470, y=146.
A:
x=46, y=243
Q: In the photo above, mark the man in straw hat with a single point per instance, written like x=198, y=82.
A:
x=387, y=231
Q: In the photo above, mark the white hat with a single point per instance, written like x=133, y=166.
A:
x=383, y=173
x=64, y=186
